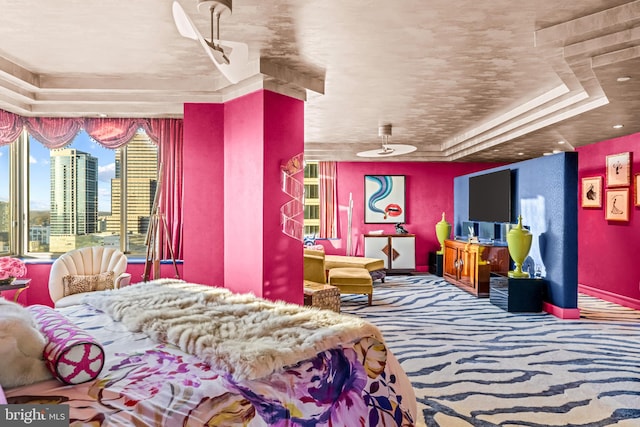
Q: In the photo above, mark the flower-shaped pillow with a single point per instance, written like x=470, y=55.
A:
x=72, y=355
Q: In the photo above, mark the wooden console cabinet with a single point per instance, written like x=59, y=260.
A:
x=469, y=265
x=397, y=250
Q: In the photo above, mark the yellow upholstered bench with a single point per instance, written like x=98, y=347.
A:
x=375, y=266
x=352, y=280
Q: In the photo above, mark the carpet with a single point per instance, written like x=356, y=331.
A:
x=473, y=364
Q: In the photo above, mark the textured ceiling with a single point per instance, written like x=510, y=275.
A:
x=463, y=80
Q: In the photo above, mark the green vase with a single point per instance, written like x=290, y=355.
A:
x=519, y=244
x=443, y=230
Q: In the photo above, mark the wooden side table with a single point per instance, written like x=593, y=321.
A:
x=18, y=285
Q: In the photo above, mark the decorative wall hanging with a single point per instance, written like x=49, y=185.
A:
x=294, y=188
x=617, y=208
x=592, y=192
x=619, y=169
x=384, y=199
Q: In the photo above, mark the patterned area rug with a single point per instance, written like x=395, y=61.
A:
x=473, y=364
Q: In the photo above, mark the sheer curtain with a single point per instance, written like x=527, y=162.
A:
x=328, y=200
x=112, y=133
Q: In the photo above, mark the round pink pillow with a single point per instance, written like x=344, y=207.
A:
x=72, y=355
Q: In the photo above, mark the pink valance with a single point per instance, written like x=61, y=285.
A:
x=11, y=126
x=113, y=133
x=53, y=132
x=56, y=132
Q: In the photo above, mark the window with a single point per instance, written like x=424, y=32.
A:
x=5, y=213
x=78, y=195
x=311, y=199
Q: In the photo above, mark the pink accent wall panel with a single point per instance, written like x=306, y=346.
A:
x=204, y=209
x=607, y=250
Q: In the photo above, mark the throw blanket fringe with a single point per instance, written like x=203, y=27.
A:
x=241, y=334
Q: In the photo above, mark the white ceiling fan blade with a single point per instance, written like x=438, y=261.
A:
x=183, y=22
x=236, y=52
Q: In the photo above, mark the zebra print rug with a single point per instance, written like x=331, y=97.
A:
x=473, y=364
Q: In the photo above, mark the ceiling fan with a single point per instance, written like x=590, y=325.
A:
x=387, y=150
x=231, y=58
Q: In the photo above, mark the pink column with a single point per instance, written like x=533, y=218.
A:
x=262, y=131
x=232, y=195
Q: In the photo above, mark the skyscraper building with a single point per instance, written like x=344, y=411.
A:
x=141, y=178
x=74, y=192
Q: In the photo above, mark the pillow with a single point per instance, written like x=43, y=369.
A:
x=75, y=284
x=72, y=355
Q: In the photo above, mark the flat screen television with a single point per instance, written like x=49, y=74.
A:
x=490, y=197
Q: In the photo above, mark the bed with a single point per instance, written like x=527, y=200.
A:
x=183, y=354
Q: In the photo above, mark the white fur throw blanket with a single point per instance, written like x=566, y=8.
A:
x=248, y=337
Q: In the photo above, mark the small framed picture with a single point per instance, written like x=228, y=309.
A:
x=619, y=169
x=617, y=205
x=637, y=189
x=592, y=192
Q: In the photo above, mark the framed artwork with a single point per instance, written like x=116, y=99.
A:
x=617, y=208
x=637, y=183
x=619, y=169
x=592, y=192
x=384, y=199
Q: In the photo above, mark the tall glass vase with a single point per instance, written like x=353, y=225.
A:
x=519, y=244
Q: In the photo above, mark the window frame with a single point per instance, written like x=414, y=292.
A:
x=19, y=190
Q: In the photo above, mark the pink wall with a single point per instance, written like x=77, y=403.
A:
x=607, y=250
x=203, y=215
x=429, y=192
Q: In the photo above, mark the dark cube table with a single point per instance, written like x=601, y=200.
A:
x=517, y=295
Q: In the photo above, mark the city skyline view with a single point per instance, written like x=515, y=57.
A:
x=39, y=171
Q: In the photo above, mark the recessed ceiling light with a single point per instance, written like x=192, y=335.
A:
x=547, y=154
x=557, y=151
x=520, y=154
x=623, y=78
x=618, y=126
x=561, y=142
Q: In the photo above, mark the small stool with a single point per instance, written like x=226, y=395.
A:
x=352, y=281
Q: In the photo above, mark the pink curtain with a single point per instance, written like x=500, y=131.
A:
x=328, y=200
x=167, y=133
x=11, y=126
x=53, y=132
x=113, y=133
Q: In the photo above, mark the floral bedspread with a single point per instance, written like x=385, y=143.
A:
x=148, y=384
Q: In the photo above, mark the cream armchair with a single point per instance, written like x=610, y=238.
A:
x=84, y=270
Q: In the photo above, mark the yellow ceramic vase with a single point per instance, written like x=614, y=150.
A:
x=519, y=244
x=443, y=231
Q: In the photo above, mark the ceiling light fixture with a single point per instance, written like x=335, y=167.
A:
x=230, y=58
x=388, y=150
x=623, y=79
x=618, y=126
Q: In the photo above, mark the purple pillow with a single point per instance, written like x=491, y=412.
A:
x=72, y=355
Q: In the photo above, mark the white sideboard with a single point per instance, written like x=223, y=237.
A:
x=397, y=250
